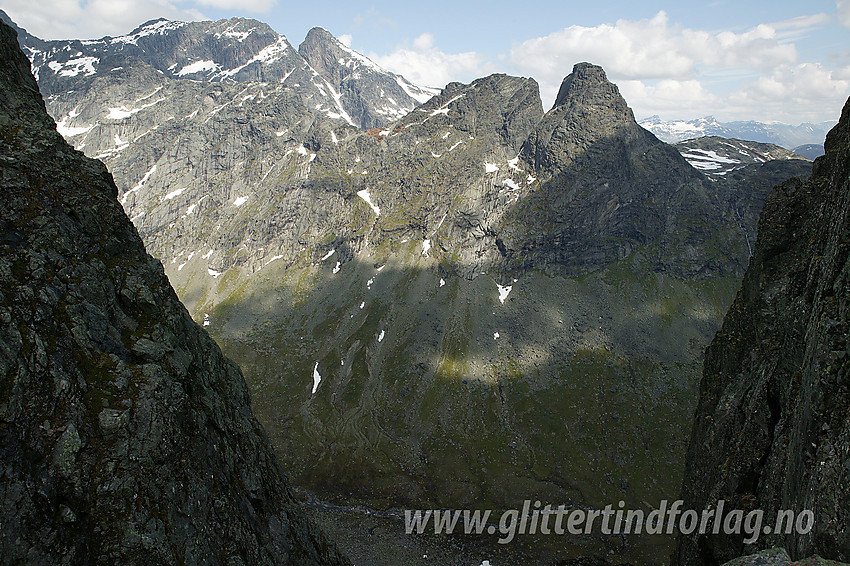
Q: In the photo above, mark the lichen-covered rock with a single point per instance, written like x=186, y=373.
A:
x=771, y=430
x=125, y=435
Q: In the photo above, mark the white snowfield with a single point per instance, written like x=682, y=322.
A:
x=364, y=194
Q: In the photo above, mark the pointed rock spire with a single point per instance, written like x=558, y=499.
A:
x=588, y=88
x=588, y=108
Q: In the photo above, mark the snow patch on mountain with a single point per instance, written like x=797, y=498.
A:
x=157, y=27
x=364, y=194
x=197, y=67
x=73, y=67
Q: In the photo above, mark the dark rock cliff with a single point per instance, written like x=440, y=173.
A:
x=609, y=189
x=125, y=435
x=771, y=430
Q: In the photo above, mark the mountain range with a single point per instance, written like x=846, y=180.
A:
x=790, y=137
x=434, y=299
x=347, y=87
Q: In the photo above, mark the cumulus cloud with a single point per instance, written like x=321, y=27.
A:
x=82, y=19
x=668, y=97
x=668, y=69
x=650, y=49
x=796, y=92
x=790, y=93
x=425, y=64
x=346, y=39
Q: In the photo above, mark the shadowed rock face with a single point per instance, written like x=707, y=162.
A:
x=587, y=109
x=771, y=431
x=125, y=435
x=609, y=189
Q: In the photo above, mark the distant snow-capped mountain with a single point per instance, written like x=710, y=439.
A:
x=783, y=135
x=717, y=156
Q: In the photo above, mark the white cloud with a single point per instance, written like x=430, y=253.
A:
x=425, y=64
x=84, y=19
x=803, y=92
x=650, y=49
x=669, y=97
x=346, y=39
x=844, y=12
x=806, y=91
x=424, y=42
x=641, y=49
x=802, y=22
x=667, y=69
x=799, y=27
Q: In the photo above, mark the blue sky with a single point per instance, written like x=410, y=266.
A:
x=736, y=60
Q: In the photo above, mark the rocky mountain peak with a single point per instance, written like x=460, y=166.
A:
x=373, y=96
x=588, y=110
x=19, y=95
x=333, y=80
x=149, y=23
x=587, y=88
x=507, y=105
x=588, y=152
x=318, y=36
x=330, y=57
x=23, y=35
x=836, y=160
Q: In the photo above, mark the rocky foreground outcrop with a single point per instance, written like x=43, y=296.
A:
x=771, y=430
x=779, y=557
x=125, y=435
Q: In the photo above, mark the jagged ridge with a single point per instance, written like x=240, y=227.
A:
x=235, y=50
